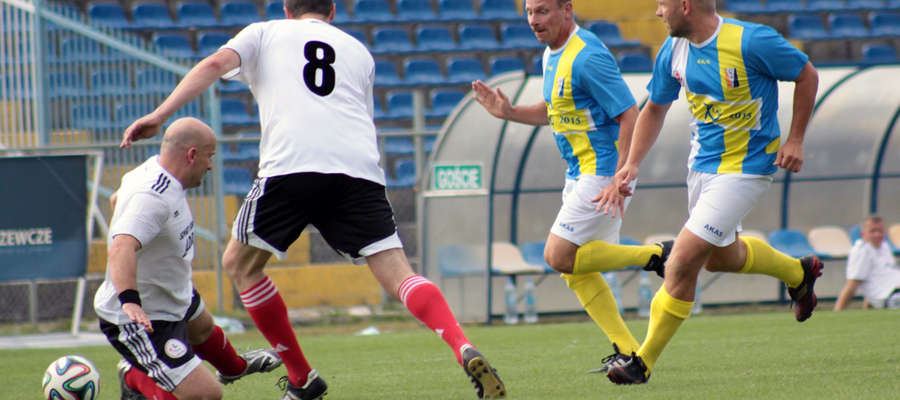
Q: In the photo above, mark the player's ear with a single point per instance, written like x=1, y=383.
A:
x=333, y=10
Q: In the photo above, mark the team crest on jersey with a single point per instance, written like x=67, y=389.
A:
x=731, y=76
x=175, y=349
x=678, y=77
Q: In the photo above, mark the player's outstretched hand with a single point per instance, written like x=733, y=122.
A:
x=144, y=128
x=790, y=156
x=623, y=178
x=493, y=100
x=137, y=314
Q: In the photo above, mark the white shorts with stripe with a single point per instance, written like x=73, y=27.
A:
x=718, y=202
x=578, y=220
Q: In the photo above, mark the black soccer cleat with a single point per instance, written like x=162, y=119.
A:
x=632, y=372
x=657, y=263
x=314, y=389
x=616, y=358
x=804, y=295
x=127, y=392
x=260, y=360
x=485, y=379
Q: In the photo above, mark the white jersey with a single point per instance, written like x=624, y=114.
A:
x=876, y=268
x=152, y=208
x=313, y=83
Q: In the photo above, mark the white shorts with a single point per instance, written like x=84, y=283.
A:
x=718, y=202
x=578, y=220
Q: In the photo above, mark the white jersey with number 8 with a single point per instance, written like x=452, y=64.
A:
x=313, y=83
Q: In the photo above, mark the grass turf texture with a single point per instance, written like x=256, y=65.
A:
x=849, y=355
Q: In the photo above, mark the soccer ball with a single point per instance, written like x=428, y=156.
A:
x=71, y=378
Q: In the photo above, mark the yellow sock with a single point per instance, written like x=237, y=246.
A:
x=764, y=259
x=666, y=315
x=597, y=299
x=600, y=256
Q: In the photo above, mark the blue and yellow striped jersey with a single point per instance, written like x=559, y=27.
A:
x=584, y=92
x=730, y=82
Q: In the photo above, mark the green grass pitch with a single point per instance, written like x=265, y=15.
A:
x=849, y=355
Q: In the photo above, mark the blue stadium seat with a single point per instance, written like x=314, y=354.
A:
x=519, y=36
x=609, y=33
x=806, y=27
x=91, y=117
x=196, y=14
x=174, y=45
x=236, y=87
x=422, y=71
x=238, y=13
x=151, y=16
x=781, y=6
x=275, y=10
x=477, y=37
x=866, y=5
x=126, y=113
x=793, y=243
x=237, y=181
x=430, y=140
x=847, y=26
x=340, y=13
x=434, y=38
x=879, y=54
x=209, y=42
x=456, y=10
x=443, y=101
x=537, y=65
x=79, y=49
x=108, y=15
x=398, y=146
x=825, y=5
x=885, y=24
x=379, y=110
x=234, y=112
x=155, y=80
x=745, y=6
x=634, y=62
x=404, y=175
x=415, y=11
x=500, y=65
x=391, y=40
x=400, y=106
x=113, y=82
x=459, y=260
x=240, y=152
x=499, y=10
x=533, y=253
x=372, y=11
x=358, y=34
x=65, y=84
x=854, y=232
x=464, y=70
x=386, y=74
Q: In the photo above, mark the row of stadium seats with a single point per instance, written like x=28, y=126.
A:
x=781, y=6
x=238, y=13
x=844, y=26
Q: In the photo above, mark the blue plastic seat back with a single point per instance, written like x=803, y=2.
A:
x=152, y=16
x=173, y=44
x=391, y=40
x=415, y=11
x=885, y=24
x=533, y=253
x=477, y=37
x=456, y=10
x=457, y=260
x=210, y=42
x=386, y=74
x=110, y=15
x=464, y=70
x=847, y=26
x=196, y=14
x=519, y=36
x=275, y=10
x=372, y=11
x=879, y=54
x=634, y=62
x=423, y=71
x=435, y=38
x=806, y=27
x=501, y=65
x=502, y=10
x=791, y=242
x=238, y=13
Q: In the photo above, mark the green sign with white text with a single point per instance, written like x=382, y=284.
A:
x=458, y=177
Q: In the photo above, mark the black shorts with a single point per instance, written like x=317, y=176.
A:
x=165, y=355
x=350, y=213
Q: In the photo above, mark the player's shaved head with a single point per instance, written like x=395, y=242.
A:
x=186, y=133
x=297, y=8
x=705, y=5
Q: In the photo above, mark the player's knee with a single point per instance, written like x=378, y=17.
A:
x=560, y=262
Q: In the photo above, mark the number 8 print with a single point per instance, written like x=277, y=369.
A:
x=311, y=51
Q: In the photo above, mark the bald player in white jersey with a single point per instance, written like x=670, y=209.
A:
x=148, y=307
x=318, y=165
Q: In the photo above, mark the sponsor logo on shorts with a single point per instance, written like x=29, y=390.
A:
x=175, y=348
x=713, y=230
x=566, y=227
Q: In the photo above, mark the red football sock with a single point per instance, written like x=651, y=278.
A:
x=140, y=381
x=426, y=302
x=217, y=350
x=269, y=313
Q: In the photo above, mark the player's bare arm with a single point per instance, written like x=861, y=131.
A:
x=846, y=294
x=646, y=130
x=790, y=156
x=613, y=201
x=123, y=274
x=197, y=80
x=497, y=104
